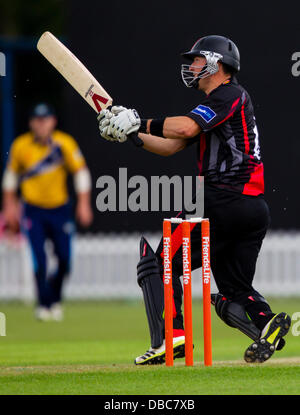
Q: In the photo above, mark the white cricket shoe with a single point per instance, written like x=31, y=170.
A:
x=42, y=313
x=57, y=312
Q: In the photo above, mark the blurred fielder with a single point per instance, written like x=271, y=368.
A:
x=38, y=164
x=224, y=127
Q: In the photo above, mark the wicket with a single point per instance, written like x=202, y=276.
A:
x=187, y=288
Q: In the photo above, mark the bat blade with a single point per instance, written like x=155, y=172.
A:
x=70, y=67
x=77, y=75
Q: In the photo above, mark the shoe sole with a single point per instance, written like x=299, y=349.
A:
x=263, y=349
x=178, y=352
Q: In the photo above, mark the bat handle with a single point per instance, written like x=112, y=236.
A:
x=135, y=139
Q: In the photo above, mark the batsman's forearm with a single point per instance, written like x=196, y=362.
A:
x=173, y=127
x=180, y=127
x=161, y=146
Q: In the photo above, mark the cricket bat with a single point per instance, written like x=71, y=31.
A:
x=78, y=76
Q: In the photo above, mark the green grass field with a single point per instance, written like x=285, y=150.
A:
x=92, y=352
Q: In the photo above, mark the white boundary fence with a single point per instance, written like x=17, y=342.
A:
x=104, y=267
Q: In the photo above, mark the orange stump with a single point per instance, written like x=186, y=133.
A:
x=206, y=292
x=187, y=292
x=168, y=291
x=187, y=288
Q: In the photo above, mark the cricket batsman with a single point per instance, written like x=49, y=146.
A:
x=38, y=165
x=224, y=130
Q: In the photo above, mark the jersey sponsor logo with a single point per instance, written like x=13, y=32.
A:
x=205, y=112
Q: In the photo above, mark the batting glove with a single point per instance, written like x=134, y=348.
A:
x=125, y=122
x=116, y=109
x=104, y=125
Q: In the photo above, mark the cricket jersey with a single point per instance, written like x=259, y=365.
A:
x=228, y=148
x=43, y=168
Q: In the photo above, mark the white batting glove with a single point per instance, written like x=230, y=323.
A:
x=116, y=109
x=125, y=122
x=103, y=118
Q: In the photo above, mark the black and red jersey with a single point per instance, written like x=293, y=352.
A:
x=228, y=147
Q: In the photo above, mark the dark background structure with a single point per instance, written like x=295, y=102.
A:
x=133, y=48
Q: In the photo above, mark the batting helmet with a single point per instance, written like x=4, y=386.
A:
x=218, y=44
x=215, y=49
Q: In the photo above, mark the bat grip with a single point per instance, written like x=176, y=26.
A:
x=135, y=139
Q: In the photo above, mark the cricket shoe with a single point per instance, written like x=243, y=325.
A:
x=271, y=339
x=158, y=356
x=43, y=314
x=57, y=312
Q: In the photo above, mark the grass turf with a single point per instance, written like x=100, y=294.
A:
x=92, y=352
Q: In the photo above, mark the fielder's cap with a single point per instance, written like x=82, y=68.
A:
x=42, y=110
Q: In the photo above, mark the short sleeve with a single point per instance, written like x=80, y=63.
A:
x=14, y=162
x=216, y=108
x=73, y=157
